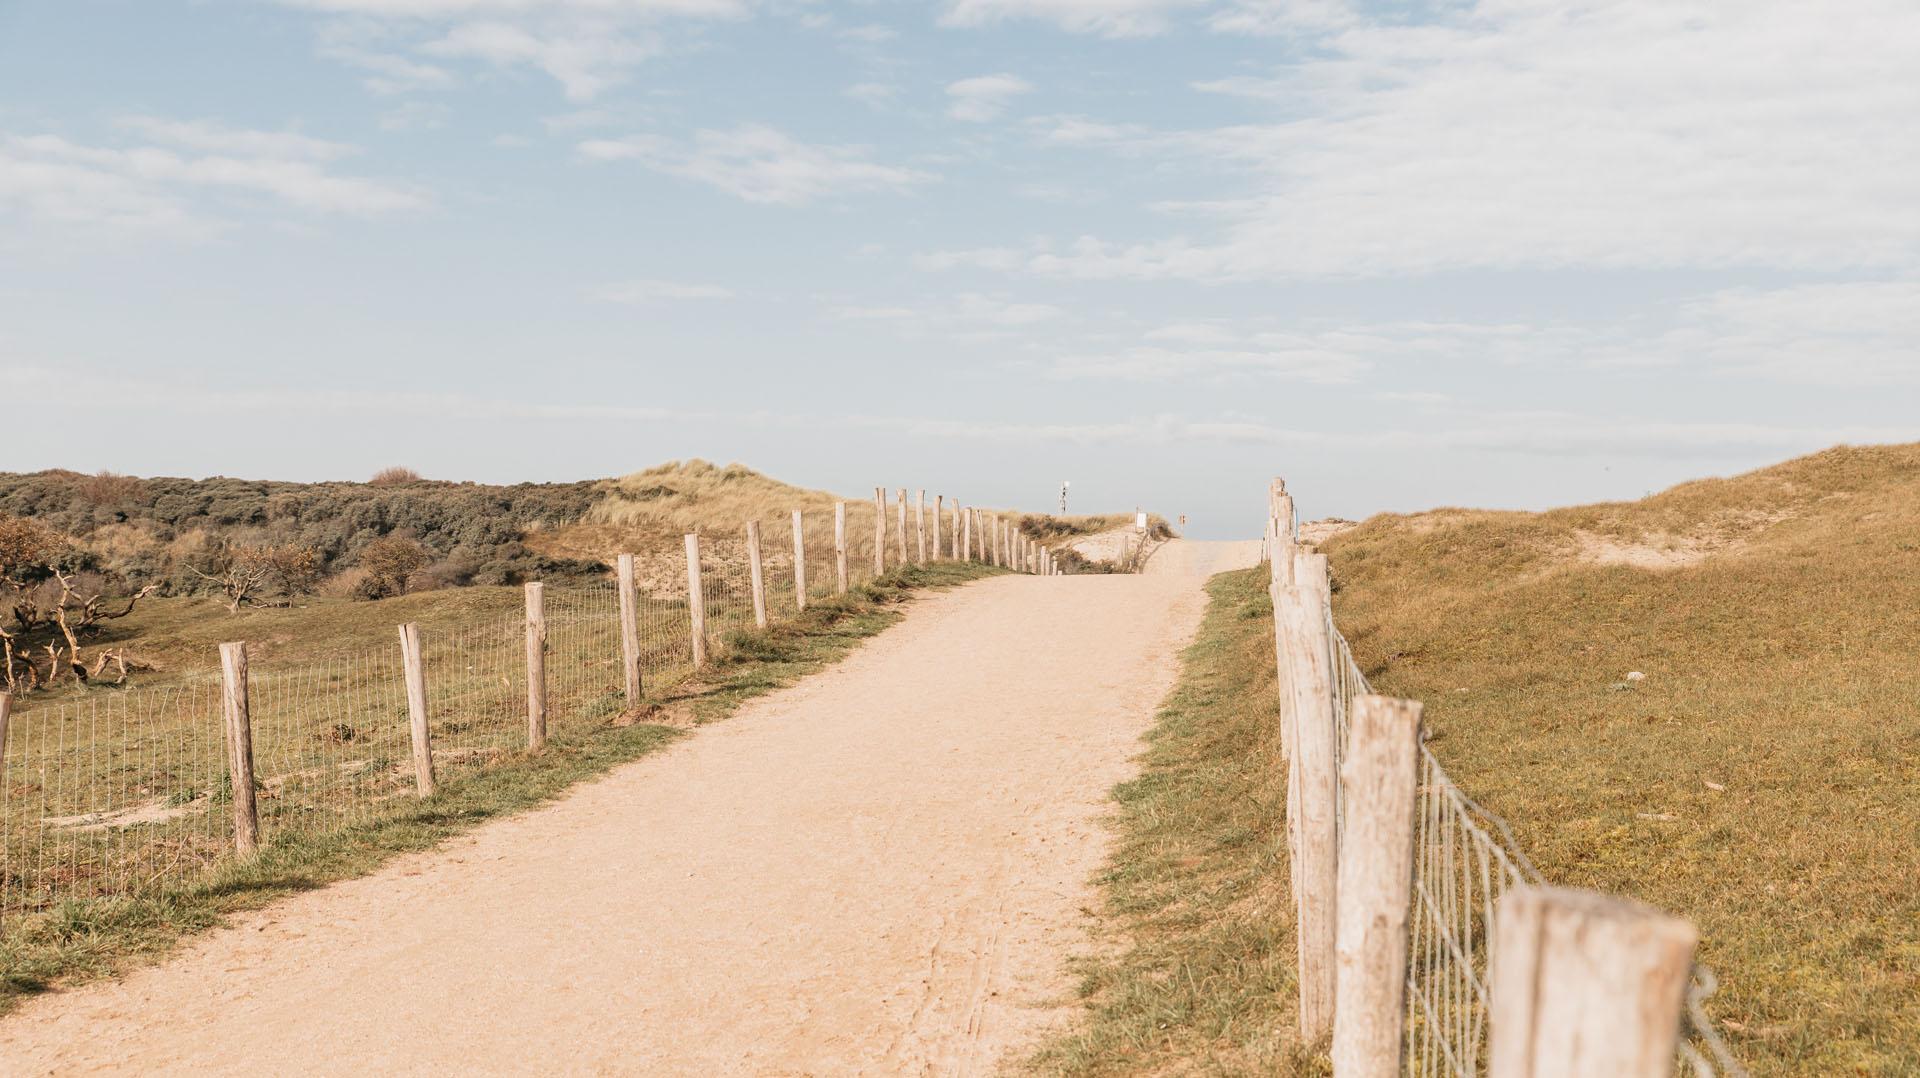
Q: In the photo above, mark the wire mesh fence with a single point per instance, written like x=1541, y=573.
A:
x=1465, y=861
x=124, y=790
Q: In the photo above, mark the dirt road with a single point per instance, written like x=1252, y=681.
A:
x=878, y=871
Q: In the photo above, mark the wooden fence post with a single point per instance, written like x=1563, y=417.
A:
x=953, y=545
x=920, y=524
x=235, y=710
x=415, y=668
x=629, y=629
x=799, y=563
x=1381, y=779
x=839, y=548
x=758, y=580
x=939, y=512
x=900, y=525
x=1317, y=855
x=696, y=601
x=999, y=542
x=879, y=531
x=6, y=717
x=966, y=533
x=1585, y=985
x=1279, y=585
x=536, y=665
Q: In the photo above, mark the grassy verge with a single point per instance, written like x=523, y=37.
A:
x=84, y=940
x=1198, y=975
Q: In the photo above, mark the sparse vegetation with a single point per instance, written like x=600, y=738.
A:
x=1759, y=778
x=140, y=532
x=1198, y=975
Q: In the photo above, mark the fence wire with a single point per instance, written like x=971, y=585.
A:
x=121, y=791
x=1465, y=861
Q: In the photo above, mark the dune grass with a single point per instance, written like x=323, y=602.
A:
x=78, y=941
x=1762, y=777
x=1196, y=974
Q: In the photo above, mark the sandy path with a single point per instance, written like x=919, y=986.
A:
x=877, y=871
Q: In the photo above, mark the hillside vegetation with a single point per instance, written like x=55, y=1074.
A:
x=398, y=537
x=1709, y=699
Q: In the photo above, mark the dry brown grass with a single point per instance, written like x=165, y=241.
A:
x=1763, y=778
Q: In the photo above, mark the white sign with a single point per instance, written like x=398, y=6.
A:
x=1140, y=521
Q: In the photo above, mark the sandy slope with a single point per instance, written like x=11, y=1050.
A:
x=877, y=871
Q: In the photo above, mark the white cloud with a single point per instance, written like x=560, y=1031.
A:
x=873, y=94
x=1109, y=18
x=1522, y=133
x=585, y=61
x=969, y=314
x=1861, y=334
x=415, y=116
x=152, y=187
x=760, y=164
x=1300, y=359
x=212, y=137
x=390, y=73
x=984, y=97
x=644, y=291
x=869, y=34
x=587, y=46
x=446, y=9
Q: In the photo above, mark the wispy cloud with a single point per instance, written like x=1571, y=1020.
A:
x=984, y=97
x=587, y=46
x=585, y=61
x=643, y=291
x=1108, y=18
x=1510, y=135
x=161, y=184
x=760, y=164
x=969, y=314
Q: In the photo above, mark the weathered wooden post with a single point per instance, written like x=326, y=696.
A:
x=955, y=550
x=939, y=513
x=966, y=532
x=415, y=667
x=536, y=665
x=879, y=531
x=754, y=576
x=235, y=709
x=1317, y=856
x=1381, y=777
x=6, y=718
x=900, y=525
x=920, y=524
x=629, y=628
x=799, y=563
x=840, y=548
x=1585, y=985
x=696, y=601
x=1279, y=585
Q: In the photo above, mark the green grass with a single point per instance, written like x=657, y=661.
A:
x=1764, y=777
x=82, y=940
x=1198, y=973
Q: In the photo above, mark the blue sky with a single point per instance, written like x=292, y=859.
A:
x=1506, y=253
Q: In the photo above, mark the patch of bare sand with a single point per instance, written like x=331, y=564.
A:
x=877, y=871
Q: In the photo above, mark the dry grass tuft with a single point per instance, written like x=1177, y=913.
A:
x=393, y=477
x=1763, y=777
